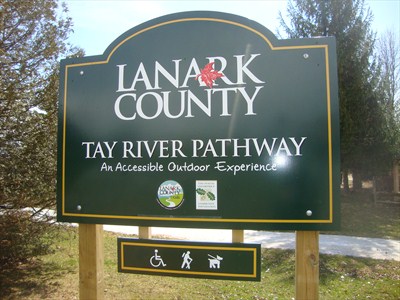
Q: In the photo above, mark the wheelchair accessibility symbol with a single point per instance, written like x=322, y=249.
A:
x=156, y=260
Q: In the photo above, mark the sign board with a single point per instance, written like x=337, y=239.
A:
x=190, y=259
x=201, y=119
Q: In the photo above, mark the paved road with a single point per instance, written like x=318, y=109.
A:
x=328, y=244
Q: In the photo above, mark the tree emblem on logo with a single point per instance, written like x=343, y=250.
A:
x=208, y=75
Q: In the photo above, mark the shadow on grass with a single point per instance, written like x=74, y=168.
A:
x=362, y=217
x=334, y=267
x=280, y=262
x=32, y=278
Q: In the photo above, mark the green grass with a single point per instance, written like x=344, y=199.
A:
x=55, y=276
x=361, y=217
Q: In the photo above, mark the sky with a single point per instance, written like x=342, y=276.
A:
x=97, y=23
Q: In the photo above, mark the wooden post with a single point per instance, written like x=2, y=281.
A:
x=307, y=265
x=144, y=232
x=91, y=262
x=237, y=236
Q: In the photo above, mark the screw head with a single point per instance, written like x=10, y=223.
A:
x=305, y=55
x=78, y=207
x=81, y=73
x=309, y=213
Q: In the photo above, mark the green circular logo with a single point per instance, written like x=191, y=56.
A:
x=170, y=194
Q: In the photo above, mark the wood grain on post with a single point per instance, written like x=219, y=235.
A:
x=307, y=265
x=91, y=262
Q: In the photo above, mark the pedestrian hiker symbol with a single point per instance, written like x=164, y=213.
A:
x=187, y=260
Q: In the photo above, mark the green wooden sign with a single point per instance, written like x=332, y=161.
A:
x=190, y=259
x=201, y=119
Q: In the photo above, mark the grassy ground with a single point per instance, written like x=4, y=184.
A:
x=55, y=276
x=361, y=217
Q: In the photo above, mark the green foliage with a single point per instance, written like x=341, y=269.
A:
x=200, y=191
x=32, y=39
x=205, y=194
x=22, y=237
x=389, y=88
x=210, y=196
x=364, y=147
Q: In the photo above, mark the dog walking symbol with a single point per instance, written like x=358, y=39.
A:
x=215, y=262
x=187, y=260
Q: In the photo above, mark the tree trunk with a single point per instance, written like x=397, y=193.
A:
x=345, y=180
x=396, y=177
x=357, y=183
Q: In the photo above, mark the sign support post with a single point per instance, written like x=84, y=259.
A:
x=144, y=232
x=307, y=265
x=91, y=261
x=237, y=236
